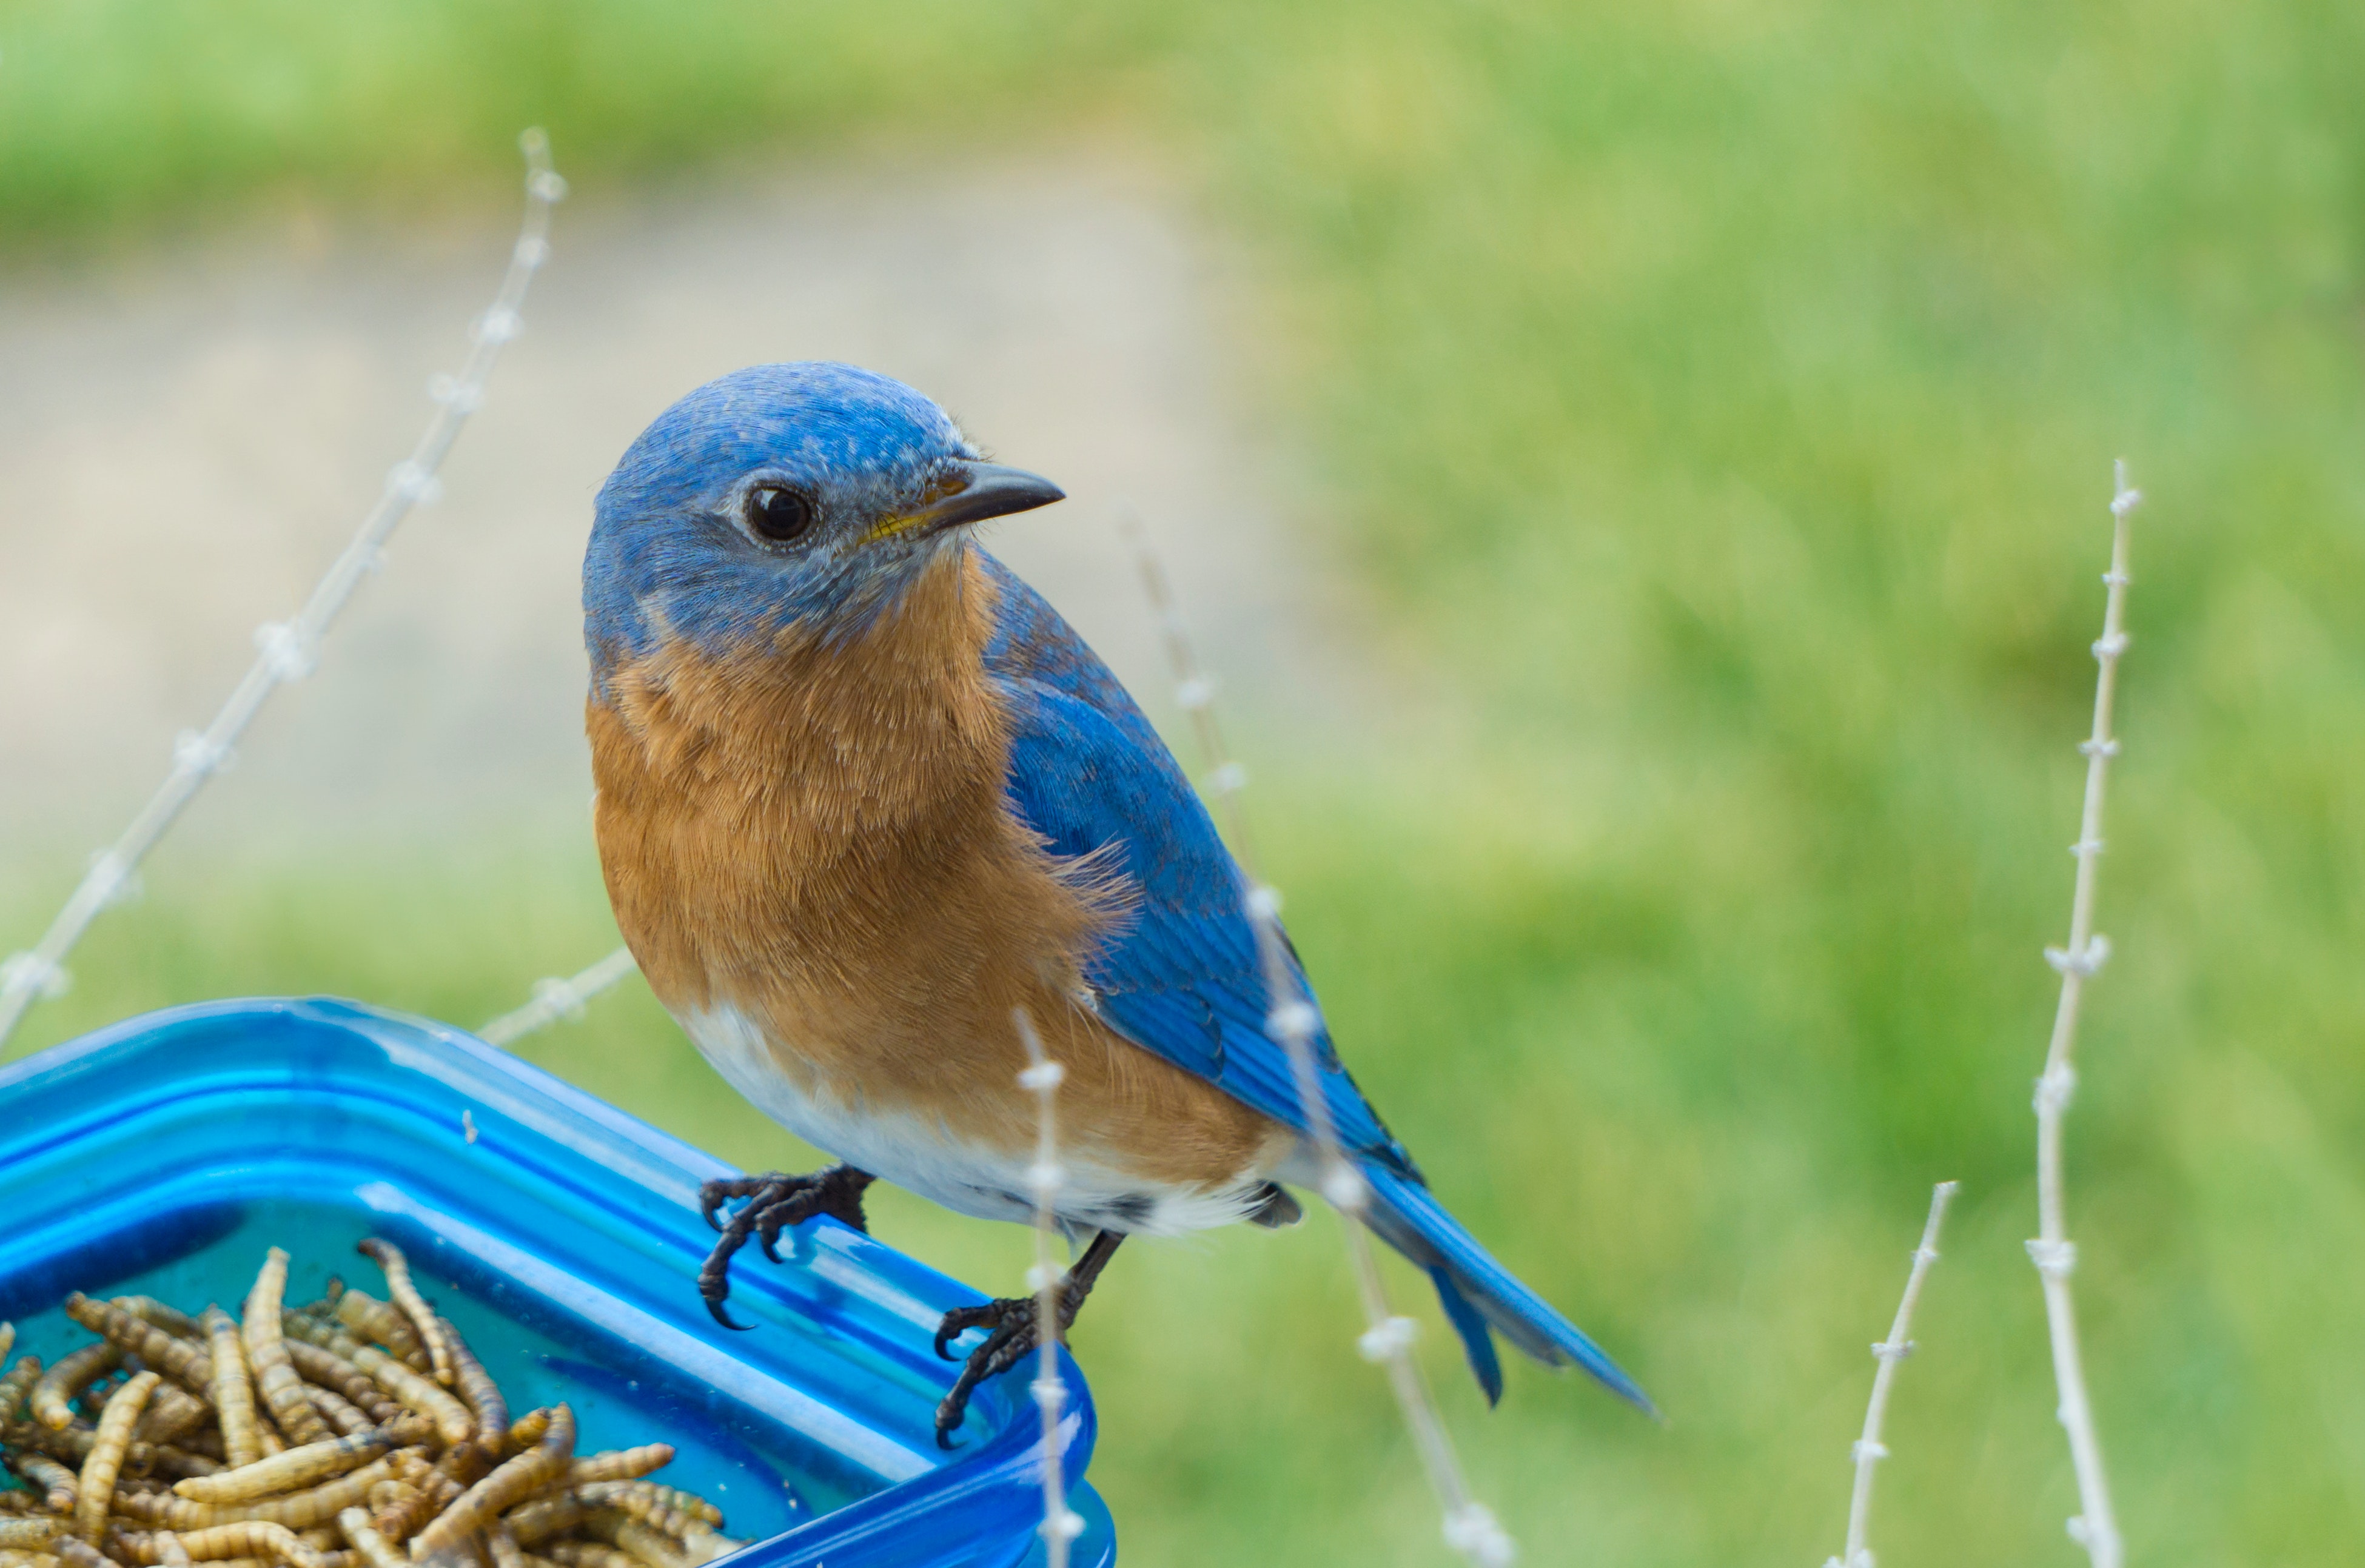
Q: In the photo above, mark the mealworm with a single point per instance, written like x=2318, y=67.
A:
x=411, y=1465
x=286, y=1471
x=68, y=1376
x=55, y=1479
x=700, y=1540
x=398, y=1284
x=182, y=1362
x=508, y=1484
x=331, y=1370
x=610, y=1496
x=16, y=1384
x=526, y=1429
x=505, y=1552
x=383, y=1322
x=543, y=1518
x=298, y=1510
x=584, y=1554
x=251, y=1538
x=688, y=1505
x=452, y=1419
x=232, y=1388
x=267, y=1355
x=347, y=1421
x=175, y=1442
x=705, y=1545
x=171, y=1320
x=76, y=1553
x=620, y=1464
x=461, y=1463
x=133, y=1546
x=405, y=1516
x=204, y=1443
x=96, y=1488
x=477, y=1390
x=172, y=1412
x=376, y=1551
x=630, y=1535
x=168, y=1460
x=73, y=1446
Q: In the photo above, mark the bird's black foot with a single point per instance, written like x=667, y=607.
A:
x=1012, y=1332
x=774, y=1203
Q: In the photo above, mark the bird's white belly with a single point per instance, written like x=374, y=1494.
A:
x=922, y=1155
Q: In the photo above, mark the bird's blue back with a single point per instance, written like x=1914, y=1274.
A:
x=1181, y=976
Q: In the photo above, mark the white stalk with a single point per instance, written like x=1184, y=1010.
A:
x=1868, y=1451
x=287, y=650
x=1470, y=1527
x=2095, y=1526
x=1061, y=1524
x=557, y=999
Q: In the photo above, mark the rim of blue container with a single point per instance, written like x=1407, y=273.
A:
x=1005, y=1466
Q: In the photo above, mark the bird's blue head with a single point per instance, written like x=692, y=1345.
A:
x=806, y=494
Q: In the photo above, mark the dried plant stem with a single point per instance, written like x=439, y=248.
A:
x=2096, y=1527
x=1868, y=1451
x=556, y=999
x=1042, y=1077
x=287, y=650
x=1471, y=1528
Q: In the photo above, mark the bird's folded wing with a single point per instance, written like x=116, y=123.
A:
x=1181, y=975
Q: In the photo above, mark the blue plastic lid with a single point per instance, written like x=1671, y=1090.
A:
x=163, y=1156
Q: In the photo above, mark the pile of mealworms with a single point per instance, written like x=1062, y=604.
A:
x=349, y=1433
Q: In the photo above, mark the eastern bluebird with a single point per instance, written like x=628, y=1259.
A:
x=862, y=794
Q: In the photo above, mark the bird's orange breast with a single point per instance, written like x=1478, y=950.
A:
x=817, y=837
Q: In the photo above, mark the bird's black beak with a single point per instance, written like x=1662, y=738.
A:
x=991, y=490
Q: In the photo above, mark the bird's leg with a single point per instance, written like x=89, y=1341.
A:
x=1015, y=1334
x=774, y=1203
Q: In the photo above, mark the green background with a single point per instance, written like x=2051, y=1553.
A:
x=1720, y=398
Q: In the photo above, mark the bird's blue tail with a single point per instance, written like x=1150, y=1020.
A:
x=1478, y=1293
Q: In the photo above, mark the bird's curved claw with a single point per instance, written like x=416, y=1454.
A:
x=713, y=1195
x=1011, y=1340
x=959, y=1321
x=774, y=1203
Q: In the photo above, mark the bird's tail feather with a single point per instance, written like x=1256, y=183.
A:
x=1479, y=1293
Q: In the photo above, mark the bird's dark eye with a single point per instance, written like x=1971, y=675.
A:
x=776, y=512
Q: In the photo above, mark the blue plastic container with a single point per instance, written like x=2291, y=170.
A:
x=166, y=1155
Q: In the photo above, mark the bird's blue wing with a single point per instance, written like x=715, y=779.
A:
x=1180, y=977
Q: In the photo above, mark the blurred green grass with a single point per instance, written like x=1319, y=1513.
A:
x=1720, y=398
